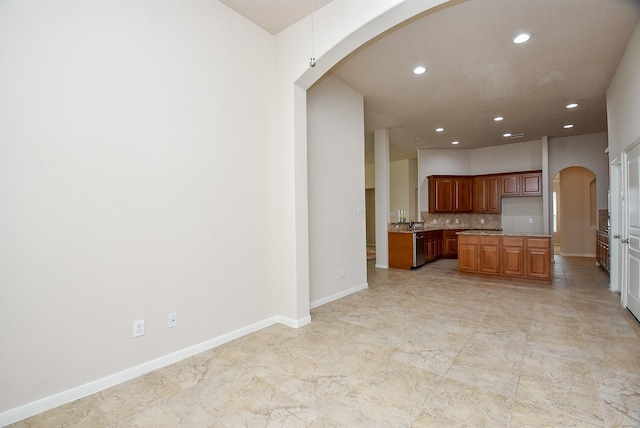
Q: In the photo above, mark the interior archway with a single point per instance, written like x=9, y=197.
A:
x=575, y=216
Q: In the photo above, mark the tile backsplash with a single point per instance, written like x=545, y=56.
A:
x=465, y=221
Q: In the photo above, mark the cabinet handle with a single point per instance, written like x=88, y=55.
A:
x=616, y=236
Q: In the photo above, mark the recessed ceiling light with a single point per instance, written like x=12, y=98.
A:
x=521, y=38
x=439, y=129
x=498, y=119
x=572, y=105
x=419, y=70
x=506, y=135
x=568, y=126
x=455, y=142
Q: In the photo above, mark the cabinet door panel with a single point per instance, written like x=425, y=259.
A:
x=531, y=184
x=490, y=259
x=538, y=263
x=510, y=185
x=440, y=194
x=463, y=195
x=468, y=257
x=480, y=194
x=494, y=204
x=513, y=261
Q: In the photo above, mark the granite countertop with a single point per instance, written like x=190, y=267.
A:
x=502, y=233
x=432, y=229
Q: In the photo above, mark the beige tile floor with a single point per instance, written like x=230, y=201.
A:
x=424, y=348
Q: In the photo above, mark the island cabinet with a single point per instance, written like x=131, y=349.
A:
x=489, y=252
x=486, y=194
x=512, y=250
x=468, y=253
x=602, y=249
x=517, y=257
x=450, y=194
x=538, y=258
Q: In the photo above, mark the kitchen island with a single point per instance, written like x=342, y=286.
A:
x=520, y=256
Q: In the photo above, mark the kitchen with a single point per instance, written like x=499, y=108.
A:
x=481, y=246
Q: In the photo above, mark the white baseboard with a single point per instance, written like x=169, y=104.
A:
x=64, y=397
x=382, y=266
x=290, y=322
x=338, y=295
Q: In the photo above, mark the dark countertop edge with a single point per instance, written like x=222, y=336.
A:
x=435, y=229
x=502, y=233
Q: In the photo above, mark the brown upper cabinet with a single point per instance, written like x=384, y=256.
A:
x=522, y=184
x=481, y=193
x=486, y=194
x=450, y=194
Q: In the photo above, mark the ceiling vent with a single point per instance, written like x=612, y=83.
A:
x=520, y=135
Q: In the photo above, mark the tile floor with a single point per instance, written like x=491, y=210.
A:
x=423, y=348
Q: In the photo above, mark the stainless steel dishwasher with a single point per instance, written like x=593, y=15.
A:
x=418, y=249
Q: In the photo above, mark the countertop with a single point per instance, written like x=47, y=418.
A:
x=433, y=229
x=502, y=233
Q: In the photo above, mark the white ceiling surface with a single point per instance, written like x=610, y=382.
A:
x=475, y=71
x=274, y=15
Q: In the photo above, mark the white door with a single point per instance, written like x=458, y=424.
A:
x=632, y=235
x=617, y=210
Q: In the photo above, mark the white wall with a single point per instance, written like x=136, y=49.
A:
x=516, y=213
x=402, y=188
x=623, y=100
x=525, y=156
x=336, y=187
x=520, y=157
x=133, y=139
x=587, y=151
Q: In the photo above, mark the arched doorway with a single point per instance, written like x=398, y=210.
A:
x=575, y=216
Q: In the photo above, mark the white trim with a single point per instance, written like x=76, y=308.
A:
x=64, y=397
x=290, y=322
x=382, y=266
x=338, y=295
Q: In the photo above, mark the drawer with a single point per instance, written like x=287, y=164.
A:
x=467, y=239
x=489, y=240
x=513, y=241
x=538, y=243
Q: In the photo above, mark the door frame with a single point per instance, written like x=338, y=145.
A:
x=616, y=216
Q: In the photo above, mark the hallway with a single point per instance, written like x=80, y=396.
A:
x=418, y=348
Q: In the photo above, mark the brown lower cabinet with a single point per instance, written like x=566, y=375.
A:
x=433, y=246
x=523, y=257
x=450, y=243
x=602, y=249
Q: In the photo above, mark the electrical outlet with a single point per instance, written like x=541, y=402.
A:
x=530, y=221
x=138, y=328
x=173, y=320
x=481, y=221
x=448, y=221
x=341, y=272
x=457, y=221
x=434, y=221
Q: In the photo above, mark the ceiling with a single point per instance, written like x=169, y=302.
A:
x=475, y=72
x=274, y=15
